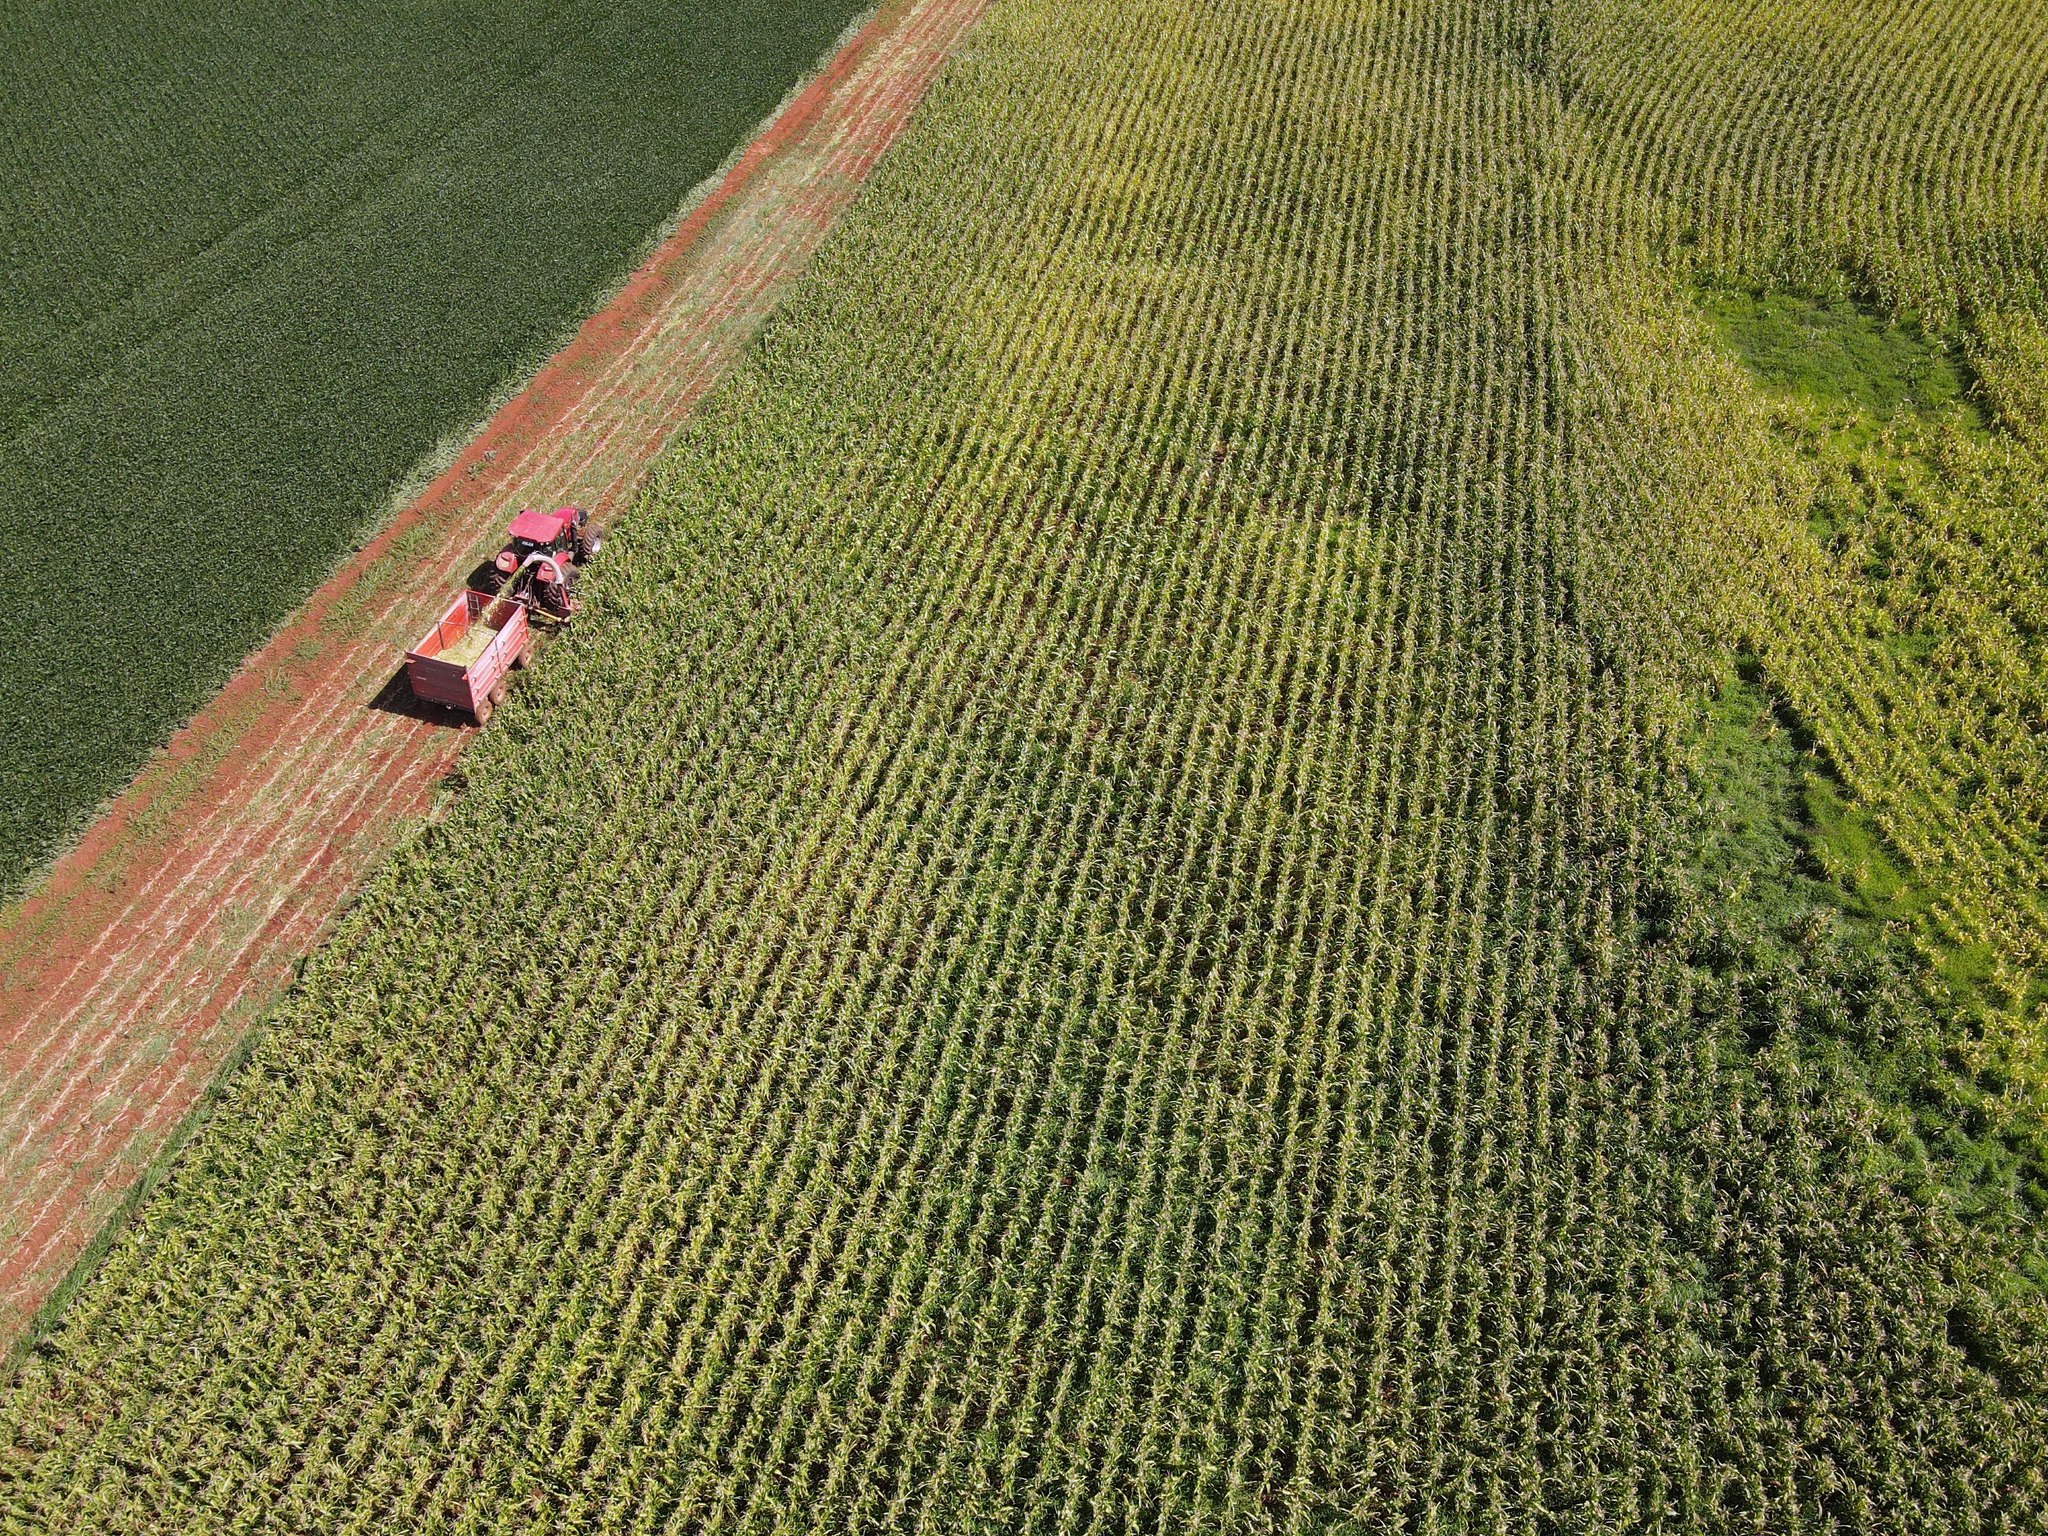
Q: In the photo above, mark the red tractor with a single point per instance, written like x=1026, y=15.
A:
x=463, y=660
x=541, y=555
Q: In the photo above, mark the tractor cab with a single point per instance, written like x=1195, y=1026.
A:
x=566, y=534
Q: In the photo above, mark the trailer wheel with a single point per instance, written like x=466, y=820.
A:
x=497, y=695
x=483, y=710
x=525, y=657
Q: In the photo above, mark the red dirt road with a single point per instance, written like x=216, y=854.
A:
x=126, y=980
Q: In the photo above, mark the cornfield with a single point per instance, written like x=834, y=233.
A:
x=1100, y=927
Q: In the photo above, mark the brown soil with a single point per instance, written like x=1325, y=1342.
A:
x=127, y=978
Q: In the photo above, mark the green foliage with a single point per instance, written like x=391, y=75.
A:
x=1837, y=353
x=1137, y=932
x=1846, y=843
x=1806, y=894
x=1924, y=624
x=261, y=259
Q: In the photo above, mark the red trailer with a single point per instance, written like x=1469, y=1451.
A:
x=462, y=661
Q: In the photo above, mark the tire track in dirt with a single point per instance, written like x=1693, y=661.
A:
x=127, y=978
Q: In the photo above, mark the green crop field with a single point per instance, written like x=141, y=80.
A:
x=259, y=260
x=1318, y=808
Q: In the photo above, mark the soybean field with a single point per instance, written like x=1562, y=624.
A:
x=1317, y=808
x=261, y=260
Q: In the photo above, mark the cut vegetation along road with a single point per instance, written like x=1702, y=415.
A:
x=261, y=259
x=1279, y=825
x=131, y=974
